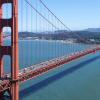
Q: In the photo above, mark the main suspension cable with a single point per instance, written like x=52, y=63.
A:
x=41, y=14
x=54, y=15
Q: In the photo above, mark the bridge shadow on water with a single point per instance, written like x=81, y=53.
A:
x=35, y=87
x=47, y=81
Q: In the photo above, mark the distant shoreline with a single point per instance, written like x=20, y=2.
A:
x=59, y=41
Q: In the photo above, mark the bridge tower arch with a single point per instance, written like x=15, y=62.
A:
x=12, y=50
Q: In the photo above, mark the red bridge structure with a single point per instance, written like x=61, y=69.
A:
x=16, y=76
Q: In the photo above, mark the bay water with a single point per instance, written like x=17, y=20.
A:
x=77, y=80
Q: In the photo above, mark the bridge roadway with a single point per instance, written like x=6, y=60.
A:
x=38, y=69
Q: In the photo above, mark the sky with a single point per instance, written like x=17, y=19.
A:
x=76, y=14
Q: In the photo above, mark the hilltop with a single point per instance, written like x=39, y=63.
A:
x=79, y=36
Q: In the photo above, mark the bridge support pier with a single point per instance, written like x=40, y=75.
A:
x=2, y=96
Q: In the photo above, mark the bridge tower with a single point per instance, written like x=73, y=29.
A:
x=11, y=50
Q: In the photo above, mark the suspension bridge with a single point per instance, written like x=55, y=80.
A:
x=28, y=12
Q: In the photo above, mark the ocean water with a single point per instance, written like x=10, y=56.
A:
x=77, y=80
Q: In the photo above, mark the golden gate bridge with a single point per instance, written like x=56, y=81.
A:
x=11, y=83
